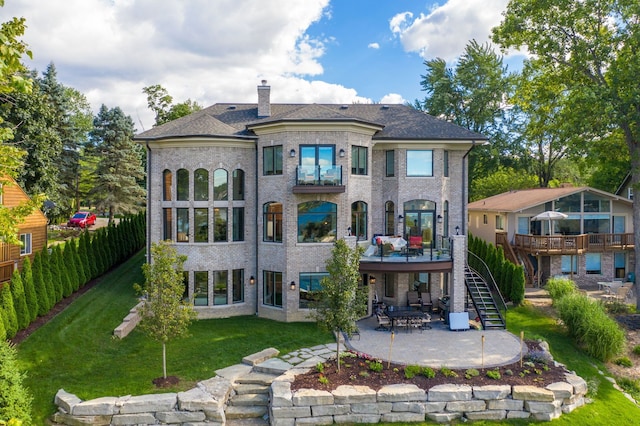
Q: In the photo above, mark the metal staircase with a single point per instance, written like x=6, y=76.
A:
x=485, y=296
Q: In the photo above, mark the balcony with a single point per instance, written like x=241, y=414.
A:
x=400, y=258
x=573, y=244
x=318, y=180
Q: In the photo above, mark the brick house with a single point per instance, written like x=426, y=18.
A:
x=256, y=194
x=32, y=232
x=594, y=243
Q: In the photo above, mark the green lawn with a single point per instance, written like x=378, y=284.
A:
x=76, y=350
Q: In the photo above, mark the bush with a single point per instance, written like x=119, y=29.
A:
x=471, y=372
x=494, y=374
x=410, y=371
x=559, y=287
x=588, y=322
x=447, y=372
x=623, y=361
x=636, y=350
x=375, y=366
x=15, y=400
x=428, y=372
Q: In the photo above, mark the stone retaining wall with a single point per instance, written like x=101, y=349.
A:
x=128, y=323
x=408, y=403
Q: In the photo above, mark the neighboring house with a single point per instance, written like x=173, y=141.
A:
x=32, y=233
x=625, y=190
x=594, y=243
x=256, y=194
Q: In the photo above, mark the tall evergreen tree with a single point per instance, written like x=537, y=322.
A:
x=41, y=287
x=6, y=303
x=77, y=261
x=66, y=285
x=89, y=263
x=15, y=399
x=120, y=171
x=69, y=265
x=29, y=289
x=19, y=301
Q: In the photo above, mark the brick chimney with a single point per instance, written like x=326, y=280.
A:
x=264, y=101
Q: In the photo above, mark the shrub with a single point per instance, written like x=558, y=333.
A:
x=428, y=372
x=588, y=322
x=320, y=367
x=559, y=287
x=324, y=380
x=375, y=366
x=471, y=372
x=636, y=350
x=15, y=400
x=410, y=371
x=623, y=361
x=616, y=307
x=447, y=372
x=494, y=374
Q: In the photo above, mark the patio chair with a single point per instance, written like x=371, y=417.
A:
x=413, y=300
x=384, y=323
x=415, y=323
x=415, y=246
x=427, y=304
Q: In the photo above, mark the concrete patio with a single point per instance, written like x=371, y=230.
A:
x=437, y=347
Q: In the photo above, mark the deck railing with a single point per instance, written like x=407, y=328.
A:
x=573, y=244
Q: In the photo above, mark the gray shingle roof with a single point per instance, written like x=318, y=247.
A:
x=237, y=120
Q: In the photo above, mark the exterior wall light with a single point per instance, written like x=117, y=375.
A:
x=252, y=280
x=457, y=230
x=292, y=285
x=372, y=280
x=439, y=218
x=292, y=153
x=341, y=153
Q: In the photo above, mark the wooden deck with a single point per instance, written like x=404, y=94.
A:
x=573, y=244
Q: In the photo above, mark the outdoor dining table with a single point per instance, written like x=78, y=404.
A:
x=609, y=286
x=397, y=315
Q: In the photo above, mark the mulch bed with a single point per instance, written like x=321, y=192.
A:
x=356, y=372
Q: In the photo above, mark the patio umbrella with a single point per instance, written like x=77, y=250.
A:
x=550, y=215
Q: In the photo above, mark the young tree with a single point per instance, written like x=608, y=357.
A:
x=120, y=169
x=29, y=289
x=8, y=311
x=43, y=289
x=591, y=47
x=19, y=301
x=165, y=314
x=15, y=399
x=340, y=302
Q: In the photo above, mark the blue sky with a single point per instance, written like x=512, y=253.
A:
x=335, y=51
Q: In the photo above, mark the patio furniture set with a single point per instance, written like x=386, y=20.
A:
x=413, y=316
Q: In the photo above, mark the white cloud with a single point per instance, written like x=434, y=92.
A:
x=374, y=46
x=445, y=30
x=392, y=98
x=209, y=51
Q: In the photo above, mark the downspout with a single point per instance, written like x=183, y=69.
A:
x=465, y=192
x=148, y=202
x=255, y=234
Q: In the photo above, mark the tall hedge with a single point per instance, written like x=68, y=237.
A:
x=15, y=399
x=42, y=292
x=9, y=312
x=19, y=301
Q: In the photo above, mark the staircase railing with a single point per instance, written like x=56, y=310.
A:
x=481, y=268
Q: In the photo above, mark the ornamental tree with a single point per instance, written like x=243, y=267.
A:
x=165, y=314
x=341, y=302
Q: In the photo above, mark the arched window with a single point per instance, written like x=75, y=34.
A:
x=238, y=184
x=317, y=222
x=272, y=219
x=201, y=185
x=359, y=219
x=220, y=185
x=167, y=177
x=182, y=186
x=389, y=218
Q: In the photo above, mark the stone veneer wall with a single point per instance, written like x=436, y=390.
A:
x=408, y=403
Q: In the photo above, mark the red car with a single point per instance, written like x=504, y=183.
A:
x=82, y=219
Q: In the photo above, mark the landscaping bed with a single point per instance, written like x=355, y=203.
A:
x=360, y=370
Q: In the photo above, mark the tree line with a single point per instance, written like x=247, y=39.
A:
x=59, y=271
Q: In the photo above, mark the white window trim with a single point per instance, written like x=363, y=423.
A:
x=25, y=248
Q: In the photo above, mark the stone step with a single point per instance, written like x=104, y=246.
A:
x=261, y=356
x=256, y=378
x=251, y=388
x=273, y=366
x=245, y=412
x=258, y=421
x=250, y=399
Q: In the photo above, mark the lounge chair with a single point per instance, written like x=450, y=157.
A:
x=413, y=300
x=427, y=304
x=384, y=323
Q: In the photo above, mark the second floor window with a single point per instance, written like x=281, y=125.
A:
x=390, y=166
x=359, y=219
x=317, y=222
x=201, y=185
x=182, y=185
x=359, y=160
x=419, y=163
x=272, y=160
x=272, y=218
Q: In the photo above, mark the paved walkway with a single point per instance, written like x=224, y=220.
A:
x=438, y=347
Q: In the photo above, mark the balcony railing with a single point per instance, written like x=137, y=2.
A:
x=389, y=258
x=318, y=179
x=573, y=244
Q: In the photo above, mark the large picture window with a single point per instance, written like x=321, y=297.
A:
x=272, y=160
x=593, y=263
x=201, y=225
x=182, y=185
x=272, y=218
x=359, y=160
x=220, y=288
x=220, y=224
x=182, y=224
x=419, y=163
x=237, y=284
x=272, y=291
x=317, y=222
x=359, y=219
x=220, y=185
x=201, y=185
x=310, y=283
